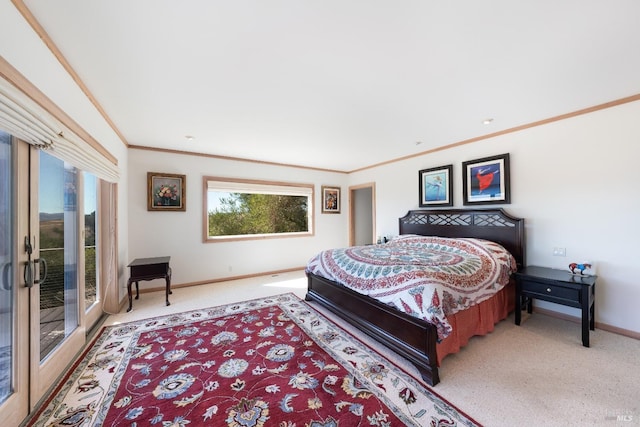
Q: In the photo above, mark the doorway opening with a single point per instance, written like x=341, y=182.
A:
x=362, y=214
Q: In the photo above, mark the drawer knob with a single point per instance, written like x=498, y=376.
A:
x=548, y=289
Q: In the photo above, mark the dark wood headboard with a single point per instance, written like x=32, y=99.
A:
x=490, y=224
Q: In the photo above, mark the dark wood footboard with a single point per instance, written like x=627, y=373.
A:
x=410, y=337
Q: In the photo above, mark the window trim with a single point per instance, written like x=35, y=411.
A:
x=298, y=189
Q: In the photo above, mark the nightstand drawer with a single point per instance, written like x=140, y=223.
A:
x=552, y=291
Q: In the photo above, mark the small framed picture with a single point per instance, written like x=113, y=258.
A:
x=166, y=192
x=486, y=180
x=330, y=199
x=435, y=186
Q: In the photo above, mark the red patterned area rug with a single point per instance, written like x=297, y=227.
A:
x=265, y=362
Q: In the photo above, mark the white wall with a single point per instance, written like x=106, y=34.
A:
x=576, y=183
x=180, y=234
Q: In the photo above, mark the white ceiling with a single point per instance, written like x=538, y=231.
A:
x=341, y=84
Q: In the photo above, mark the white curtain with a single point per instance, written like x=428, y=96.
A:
x=230, y=185
x=28, y=121
x=109, y=247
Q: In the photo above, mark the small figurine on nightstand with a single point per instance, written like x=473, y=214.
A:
x=575, y=266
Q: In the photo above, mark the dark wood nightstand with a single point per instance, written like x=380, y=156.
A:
x=149, y=269
x=557, y=286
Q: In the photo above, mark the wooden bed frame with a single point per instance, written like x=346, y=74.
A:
x=410, y=337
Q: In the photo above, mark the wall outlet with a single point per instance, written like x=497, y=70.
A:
x=559, y=251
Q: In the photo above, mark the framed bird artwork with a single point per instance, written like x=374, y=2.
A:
x=486, y=180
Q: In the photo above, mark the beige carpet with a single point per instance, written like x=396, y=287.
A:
x=537, y=374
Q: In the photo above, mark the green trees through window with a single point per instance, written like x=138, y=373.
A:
x=246, y=209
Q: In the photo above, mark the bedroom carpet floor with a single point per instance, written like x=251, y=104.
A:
x=535, y=374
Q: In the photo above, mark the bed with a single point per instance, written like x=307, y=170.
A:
x=410, y=336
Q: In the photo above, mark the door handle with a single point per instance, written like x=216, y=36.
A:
x=29, y=274
x=6, y=270
x=42, y=263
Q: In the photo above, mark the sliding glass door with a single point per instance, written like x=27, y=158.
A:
x=54, y=296
x=58, y=234
x=48, y=298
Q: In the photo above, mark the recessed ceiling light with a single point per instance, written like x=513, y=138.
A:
x=190, y=137
x=487, y=121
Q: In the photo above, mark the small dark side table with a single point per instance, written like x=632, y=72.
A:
x=558, y=286
x=149, y=269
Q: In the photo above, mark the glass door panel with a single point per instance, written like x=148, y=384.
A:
x=93, y=301
x=14, y=296
x=58, y=216
x=57, y=332
x=6, y=270
x=91, y=287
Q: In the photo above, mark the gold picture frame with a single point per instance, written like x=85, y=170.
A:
x=166, y=192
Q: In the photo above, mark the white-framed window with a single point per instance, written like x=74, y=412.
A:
x=239, y=209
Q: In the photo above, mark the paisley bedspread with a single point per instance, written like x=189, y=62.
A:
x=424, y=276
